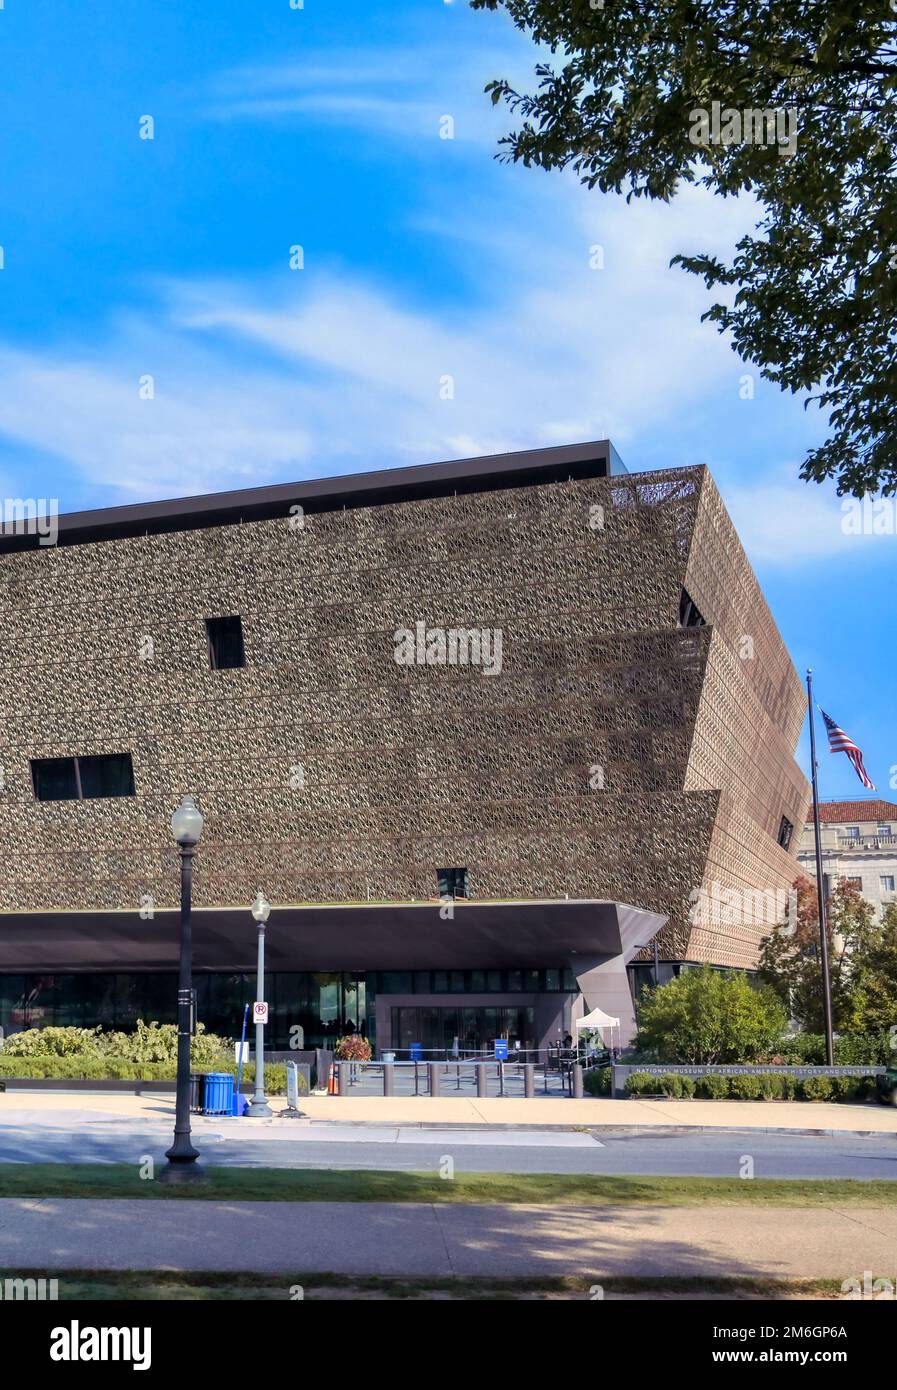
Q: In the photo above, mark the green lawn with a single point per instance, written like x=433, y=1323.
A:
x=152, y=1285
x=330, y=1185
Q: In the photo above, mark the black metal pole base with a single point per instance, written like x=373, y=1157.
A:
x=174, y=1173
x=182, y=1151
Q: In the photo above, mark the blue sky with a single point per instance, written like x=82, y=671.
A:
x=423, y=257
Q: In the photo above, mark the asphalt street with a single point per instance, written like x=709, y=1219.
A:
x=705, y=1154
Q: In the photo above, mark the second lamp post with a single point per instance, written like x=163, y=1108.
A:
x=261, y=910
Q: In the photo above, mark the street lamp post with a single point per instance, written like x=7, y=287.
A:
x=186, y=827
x=261, y=910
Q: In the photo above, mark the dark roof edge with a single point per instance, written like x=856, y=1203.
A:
x=593, y=459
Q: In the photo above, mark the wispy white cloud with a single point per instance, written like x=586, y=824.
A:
x=785, y=523
x=400, y=92
x=325, y=372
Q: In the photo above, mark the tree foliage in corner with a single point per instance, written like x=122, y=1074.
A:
x=810, y=296
x=862, y=962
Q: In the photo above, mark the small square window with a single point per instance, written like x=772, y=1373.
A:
x=887, y=883
x=452, y=883
x=55, y=779
x=226, y=650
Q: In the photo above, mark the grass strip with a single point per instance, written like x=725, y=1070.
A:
x=209, y=1285
x=224, y=1183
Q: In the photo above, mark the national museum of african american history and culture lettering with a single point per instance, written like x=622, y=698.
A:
x=486, y=732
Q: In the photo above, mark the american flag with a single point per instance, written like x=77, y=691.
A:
x=839, y=742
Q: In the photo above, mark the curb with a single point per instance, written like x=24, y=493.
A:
x=609, y=1130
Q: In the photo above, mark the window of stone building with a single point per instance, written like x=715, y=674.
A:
x=887, y=883
x=226, y=649
x=84, y=778
x=786, y=830
x=852, y=832
x=452, y=883
x=689, y=615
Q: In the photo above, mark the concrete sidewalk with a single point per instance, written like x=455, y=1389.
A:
x=55, y=1108
x=461, y=1240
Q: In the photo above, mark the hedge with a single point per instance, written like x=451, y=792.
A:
x=751, y=1086
x=117, y=1069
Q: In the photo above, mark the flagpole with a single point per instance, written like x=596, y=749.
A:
x=820, y=888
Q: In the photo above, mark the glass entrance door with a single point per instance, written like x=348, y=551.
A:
x=436, y=1028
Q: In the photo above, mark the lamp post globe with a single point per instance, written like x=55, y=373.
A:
x=259, y=1107
x=187, y=822
x=261, y=908
x=186, y=828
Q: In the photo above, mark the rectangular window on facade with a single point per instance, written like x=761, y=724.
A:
x=111, y=774
x=852, y=832
x=452, y=883
x=887, y=883
x=884, y=831
x=786, y=830
x=54, y=779
x=855, y=881
x=83, y=779
x=226, y=650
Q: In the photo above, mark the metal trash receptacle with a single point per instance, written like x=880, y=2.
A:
x=219, y=1093
x=197, y=1091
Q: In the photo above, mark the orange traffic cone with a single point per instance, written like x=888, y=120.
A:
x=331, y=1084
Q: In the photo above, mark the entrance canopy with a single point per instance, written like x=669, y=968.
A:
x=597, y=1019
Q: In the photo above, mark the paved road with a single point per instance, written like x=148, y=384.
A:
x=446, y=1239
x=512, y=1151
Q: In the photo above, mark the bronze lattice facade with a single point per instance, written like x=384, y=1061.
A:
x=617, y=754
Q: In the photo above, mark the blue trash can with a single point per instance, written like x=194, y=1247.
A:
x=219, y=1093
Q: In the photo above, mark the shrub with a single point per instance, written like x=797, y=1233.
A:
x=670, y=1084
x=641, y=1083
x=851, y=1049
x=352, y=1048
x=149, y=1044
x=848, y=1087
x=53, y=1042
x=772, y=1085
x=816, y=1088
x=597, y=1081
x=744, y=1087
x=713, y=1087
x=708, y=1017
